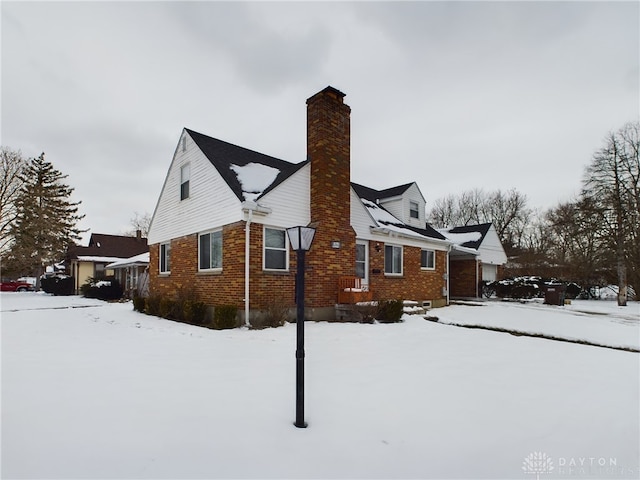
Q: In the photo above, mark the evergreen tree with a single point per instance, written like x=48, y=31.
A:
x=46, y=218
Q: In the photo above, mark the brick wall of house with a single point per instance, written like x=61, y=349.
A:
x=328, y=149
x=225, y=287
x=414, y=284
x=463, y=278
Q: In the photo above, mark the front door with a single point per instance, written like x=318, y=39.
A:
x=362, y=261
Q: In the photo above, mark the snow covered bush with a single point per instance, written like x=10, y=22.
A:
x=105, y=289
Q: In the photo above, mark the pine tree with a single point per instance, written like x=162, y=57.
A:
x=46, y=218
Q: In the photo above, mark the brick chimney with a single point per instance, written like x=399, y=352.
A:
x=328, y=150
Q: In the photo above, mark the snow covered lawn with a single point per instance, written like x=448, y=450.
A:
x=95, y=390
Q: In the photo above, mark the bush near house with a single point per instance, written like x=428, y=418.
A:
x=106, y=289
x=276, y=314
x=184, y=307
x=58, y=284
x=224, y=317
x=390, y=311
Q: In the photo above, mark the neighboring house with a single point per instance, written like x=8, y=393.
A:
x=132, y=274
x=91, y=261
x=219, y=225
x=477, y=256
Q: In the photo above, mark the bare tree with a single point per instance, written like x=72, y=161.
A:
x=140, y=222
x=11, y=166
x=507, y=211
x=611, y=183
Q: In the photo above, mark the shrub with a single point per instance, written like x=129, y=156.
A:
x=368, y=311
x=275, y=314
x=390, y=311
x=58, y=285
x=107, y=289
x=224, y=317
x=152, y=305
x=167, y=308
x=139, y=304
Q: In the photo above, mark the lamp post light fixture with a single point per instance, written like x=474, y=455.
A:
x=301, y=239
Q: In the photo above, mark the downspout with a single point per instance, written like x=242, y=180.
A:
x=247, y=251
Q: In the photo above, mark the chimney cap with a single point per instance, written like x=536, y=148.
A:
x=334, y=92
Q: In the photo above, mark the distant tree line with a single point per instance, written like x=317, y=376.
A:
x=592, y=240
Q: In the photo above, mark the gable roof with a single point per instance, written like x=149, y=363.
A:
x=374, y=195
x=470, y=236
x=110, y=246
x=249, y=174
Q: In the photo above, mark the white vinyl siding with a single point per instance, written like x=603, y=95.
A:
x=275, y=251
x=211, y=202
x=393, y=260
x=210, y=251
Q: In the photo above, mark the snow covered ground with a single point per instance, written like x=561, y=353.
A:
x=96, y=390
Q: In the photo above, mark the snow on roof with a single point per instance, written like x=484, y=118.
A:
x=387, y=221
x=142, y=259
x=460, y=238
x=255, y=178
x=92, y=258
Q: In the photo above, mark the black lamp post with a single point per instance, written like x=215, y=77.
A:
x=301, y=239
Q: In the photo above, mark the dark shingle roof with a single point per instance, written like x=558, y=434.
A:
x=103, y=245
x=223, y=154
x=374, y=195
x=483, y=228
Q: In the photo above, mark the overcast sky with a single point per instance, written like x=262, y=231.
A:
x=452, y=95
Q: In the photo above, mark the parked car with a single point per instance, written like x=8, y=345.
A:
x=15, y=286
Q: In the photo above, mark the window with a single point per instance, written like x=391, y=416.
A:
x=210, y=251
x=361, y=260
x=165, y=257
x=185, y=176
x=428, y=259
x=392, y=260
x=275, y=249
x=414, y=210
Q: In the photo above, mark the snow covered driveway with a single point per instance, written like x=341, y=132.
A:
x=100, y=391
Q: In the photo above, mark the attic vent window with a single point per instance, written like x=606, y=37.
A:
x=413, y=210
x=185, y=176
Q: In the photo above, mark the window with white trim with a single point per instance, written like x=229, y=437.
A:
x=165, y=257
x=428, y=259
x=414, y=210
x=275, y=253
x=210, y=251
x=392, y=260
x=185, y=177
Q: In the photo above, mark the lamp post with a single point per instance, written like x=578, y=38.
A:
x=301, y=239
